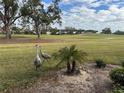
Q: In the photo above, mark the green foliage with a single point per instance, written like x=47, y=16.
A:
x=119, y=32
x=10, y=14
x=54, y=31
x=117, y=75
x=122, y=63
x=41, y=17
x=54, y=12
x=100, y=63
x=16, y=30
x=25, y=11
x=118, y=89
x=70, y=55
x=106, y=31
x=28, y=32
x=90, y=31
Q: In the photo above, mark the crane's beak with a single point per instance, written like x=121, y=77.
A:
x=36, y=45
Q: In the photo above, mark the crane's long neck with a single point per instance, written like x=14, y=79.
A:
x=41, y=52
x=37, y=52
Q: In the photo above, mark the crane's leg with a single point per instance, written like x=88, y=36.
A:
x=42, y=64
x=36, y=68
x=39, y=67
x=47, y=60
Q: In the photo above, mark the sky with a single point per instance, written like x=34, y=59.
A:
x=92, y=14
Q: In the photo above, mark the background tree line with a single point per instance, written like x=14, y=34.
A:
x=39, y=17
x=56, y=31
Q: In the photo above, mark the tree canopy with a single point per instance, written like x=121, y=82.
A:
x=30, y=10
x=106, y=31
x=34, y=10
x=9, y=14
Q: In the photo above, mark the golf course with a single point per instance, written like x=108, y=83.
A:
x=16, y=58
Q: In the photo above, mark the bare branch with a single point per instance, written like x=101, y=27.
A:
x=15, y=19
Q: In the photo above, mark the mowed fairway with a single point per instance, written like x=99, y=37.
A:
x=16, y=60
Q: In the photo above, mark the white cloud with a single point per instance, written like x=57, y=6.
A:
x=86, y=17
x=66, y=0
x=45, y=5
x=90, y=3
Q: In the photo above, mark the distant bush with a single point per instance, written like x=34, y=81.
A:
x=117, y=75
x=119, y=32
x=122, y=63
x=90, y=31
x=16, y=30
x=106, y=31
x=54, y=31
x=100, y=63
x=28, y=32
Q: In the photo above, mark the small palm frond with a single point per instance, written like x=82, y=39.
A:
x=79, y=55
x=62, y=54
x=76, y=54
x=70, y=53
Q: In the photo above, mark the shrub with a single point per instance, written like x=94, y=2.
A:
x=100, y=63
x=118, y=89
x=117, y=75
x=122, y=63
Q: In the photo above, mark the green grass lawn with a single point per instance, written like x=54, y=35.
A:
x=16, y=60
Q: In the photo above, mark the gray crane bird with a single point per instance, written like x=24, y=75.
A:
x=44, y=56
x=37, y=61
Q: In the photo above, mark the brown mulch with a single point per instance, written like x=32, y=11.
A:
x=27, y=40
x=91, y=80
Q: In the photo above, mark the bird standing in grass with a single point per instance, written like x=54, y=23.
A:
x=37, y=61
x=44, y=56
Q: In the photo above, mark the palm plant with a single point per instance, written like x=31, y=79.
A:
x=70, y=55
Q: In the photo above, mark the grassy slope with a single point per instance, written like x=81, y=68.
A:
x=16, y=60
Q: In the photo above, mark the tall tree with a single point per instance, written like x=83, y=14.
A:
x=34, y=10
x=8, y=15
x=106, y=31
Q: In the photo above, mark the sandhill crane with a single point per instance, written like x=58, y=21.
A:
x=44, y=56
x=37, y=61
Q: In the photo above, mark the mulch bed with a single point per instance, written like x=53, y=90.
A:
x=91, y=80
x=27, y=40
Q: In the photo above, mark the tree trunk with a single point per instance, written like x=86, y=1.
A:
x=68, y=67
x=37, y=29
x=8, y=32
x=38, y=35
x=73, y=67
x=38, y=32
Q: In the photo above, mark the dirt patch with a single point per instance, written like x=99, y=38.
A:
x=91, y=80
x=27, y=40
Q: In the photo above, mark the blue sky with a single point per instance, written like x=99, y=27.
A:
x=92, y=14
